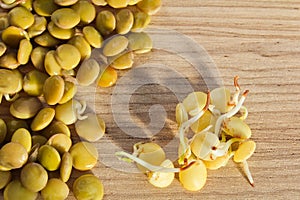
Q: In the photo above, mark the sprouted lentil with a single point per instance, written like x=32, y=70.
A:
x=223, y=135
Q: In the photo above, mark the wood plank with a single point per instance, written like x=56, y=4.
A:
x=257, y=40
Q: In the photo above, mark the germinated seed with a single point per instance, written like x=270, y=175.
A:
x=245, y=151
x=161, y=179
x=203, y=144
x=181, y=114
x=193, y=177
x=220, y=98
x=68, y=112
x=237, y=128
x=150, y=152
x=195, y=100
x=203, y=122
x=217, y=163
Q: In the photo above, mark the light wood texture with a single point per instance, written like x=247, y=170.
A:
x=260, y=42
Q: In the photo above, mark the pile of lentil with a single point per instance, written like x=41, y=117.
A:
x=45, y=53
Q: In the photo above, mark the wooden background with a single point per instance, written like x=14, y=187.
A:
x=260, y=42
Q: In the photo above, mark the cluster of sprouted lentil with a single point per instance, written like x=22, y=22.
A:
x=46, y=51
x=217, y=120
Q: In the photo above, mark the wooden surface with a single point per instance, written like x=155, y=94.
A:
x=257, y=40
x=260, y=42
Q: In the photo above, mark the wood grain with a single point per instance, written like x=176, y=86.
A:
x=259, y=41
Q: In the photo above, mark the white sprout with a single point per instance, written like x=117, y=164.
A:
x=214, y=110
x=236, y=95
x=136, y=149
x=229, y=114
x=248, y=173
x=80, y=110
x=152, y=168
x=83, y=106
x=8, y=98
x=244, y=112
x=201, y=132
x=184, y=126
x=219, y=152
